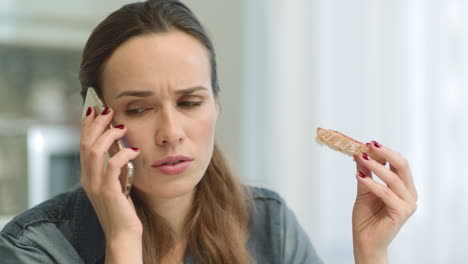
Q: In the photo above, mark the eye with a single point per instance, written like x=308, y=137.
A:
x=137, y=110
x=189, y=104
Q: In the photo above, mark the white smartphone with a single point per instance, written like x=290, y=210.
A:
x=126, y=175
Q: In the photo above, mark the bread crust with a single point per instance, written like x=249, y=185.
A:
x=344, y=144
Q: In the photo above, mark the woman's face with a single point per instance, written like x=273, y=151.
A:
x=159, y=86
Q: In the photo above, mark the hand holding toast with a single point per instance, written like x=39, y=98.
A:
x=380, y=210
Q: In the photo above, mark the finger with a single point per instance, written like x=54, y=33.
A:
x=93, y=127
x=398, y=164
x=392, y=180
x=86, y=123
x=89, y=117
x=104, y=142
x=96, y=155
x=381, y=191
x=361, y=188
x=85, y=145
x=115, y=165
x=93, y=157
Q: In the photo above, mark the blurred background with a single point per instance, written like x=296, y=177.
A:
x=392, y=71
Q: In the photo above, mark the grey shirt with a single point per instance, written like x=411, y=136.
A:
x=65, y=229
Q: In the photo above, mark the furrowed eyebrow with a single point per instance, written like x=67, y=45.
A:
x=135, y=94
x=191, y=90
x=150, y=93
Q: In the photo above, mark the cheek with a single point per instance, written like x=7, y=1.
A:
x=138, y=135
x=202, y=140
x=202, y=131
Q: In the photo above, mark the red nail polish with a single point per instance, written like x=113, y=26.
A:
x=88, y=112
x=135, y=149
x=368, y=144
x=377, y=145
x=120, y=126
x=105, y=111
x=362, y=175
x=365, y=156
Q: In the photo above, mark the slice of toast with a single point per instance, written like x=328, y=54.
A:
x=344, y=144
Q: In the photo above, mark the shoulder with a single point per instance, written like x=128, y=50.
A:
x=44, y=233
x=55, y=211
x=266, y=208
x=264, y=195
x=275, y=234
x=264, y=202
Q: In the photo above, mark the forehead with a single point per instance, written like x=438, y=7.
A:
x=152, y=61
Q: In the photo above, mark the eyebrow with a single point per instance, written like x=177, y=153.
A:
x=150, y=93
x=191, y=90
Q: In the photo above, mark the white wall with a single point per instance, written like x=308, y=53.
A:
x=393, y=71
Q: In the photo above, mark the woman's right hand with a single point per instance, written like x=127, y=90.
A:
x=115, y=211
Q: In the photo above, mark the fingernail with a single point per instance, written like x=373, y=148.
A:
x=120, y=126
x=135, y=149
x=377, y=144
x=365, y=156
x=362, y=175
x=88, y=112
x=105, y=111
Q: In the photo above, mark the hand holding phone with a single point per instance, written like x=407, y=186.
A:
x=126, y=175
x=106, y=173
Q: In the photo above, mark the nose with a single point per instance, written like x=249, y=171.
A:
x=169, y=130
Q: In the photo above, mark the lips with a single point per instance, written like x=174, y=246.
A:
x=173, y=164
x=171, y=160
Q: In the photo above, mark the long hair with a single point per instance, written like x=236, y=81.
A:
x=217, y=225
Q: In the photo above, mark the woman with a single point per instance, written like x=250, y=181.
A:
x=154, y=66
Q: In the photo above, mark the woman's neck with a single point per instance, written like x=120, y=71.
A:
x=173, y=210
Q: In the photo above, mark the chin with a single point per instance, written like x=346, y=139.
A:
x=167, y=190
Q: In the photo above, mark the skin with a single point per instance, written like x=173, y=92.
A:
x=381, y=210
x=160, y=122
x=160, y=65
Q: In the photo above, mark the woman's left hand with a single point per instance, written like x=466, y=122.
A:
x=381, y=210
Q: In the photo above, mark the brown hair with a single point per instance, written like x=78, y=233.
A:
x=217, y=226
